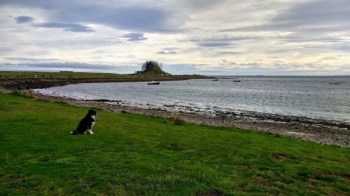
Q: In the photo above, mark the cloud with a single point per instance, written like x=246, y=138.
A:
x=28, y=59
x=51, y=66
x=342, y=47
x=313, y=14
x=135, y=36
x=214, y=44
x=120, y=14
x=65, y=26
x=316, y=16
x=202, y=4
x=167, y=52
x=23, y=19
x=228, y=53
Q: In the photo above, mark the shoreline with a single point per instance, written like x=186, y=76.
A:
x=319, y=131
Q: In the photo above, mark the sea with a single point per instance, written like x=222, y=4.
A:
x=324, y=98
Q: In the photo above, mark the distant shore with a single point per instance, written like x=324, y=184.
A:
x=32, y=83
x=319, y=131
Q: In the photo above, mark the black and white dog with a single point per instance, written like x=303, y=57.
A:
x=86, y=124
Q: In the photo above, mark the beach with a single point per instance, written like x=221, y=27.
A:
x=319, y=131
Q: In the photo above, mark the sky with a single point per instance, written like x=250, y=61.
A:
x=209, y=37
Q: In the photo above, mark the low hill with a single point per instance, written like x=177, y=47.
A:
x=152, y=68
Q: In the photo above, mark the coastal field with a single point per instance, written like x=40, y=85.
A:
x=30, y=80
x=137, y=155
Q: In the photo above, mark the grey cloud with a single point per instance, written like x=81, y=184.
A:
x=65, y=26
x=170, y=48
x=246, y=28
x=342, y=47
x=202, y=4
x=167, y=52
x=6, y=49
x=317, y=16
x=125, y=16
x=69, y=66
x=135, y=36
x=214, y=44
x=227, y=52
x=24, y=19
x=302, y=38
x=314, y=13
x=28, y=59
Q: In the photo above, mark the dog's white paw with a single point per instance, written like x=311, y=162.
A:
x=89, y=132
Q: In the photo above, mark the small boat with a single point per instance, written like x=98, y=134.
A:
x=236, y=80
x=153, y=83
x=334, y=82
x=216, y=79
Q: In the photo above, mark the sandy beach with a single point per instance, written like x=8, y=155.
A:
x=319, y=131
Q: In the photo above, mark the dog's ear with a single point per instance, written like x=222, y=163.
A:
x=92, y=112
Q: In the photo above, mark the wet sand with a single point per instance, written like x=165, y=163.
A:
x=319, y=131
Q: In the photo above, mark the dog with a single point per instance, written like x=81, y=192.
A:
x=86, y=124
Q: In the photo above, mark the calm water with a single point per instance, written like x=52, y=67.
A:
x=310, y=97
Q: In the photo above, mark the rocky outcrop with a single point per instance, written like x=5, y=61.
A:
x=153, y=68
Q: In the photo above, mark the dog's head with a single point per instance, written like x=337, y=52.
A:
x=91, y=113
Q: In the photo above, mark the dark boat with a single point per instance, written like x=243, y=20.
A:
x=153, y=83
x=334, y=82
x=216, y=79
x=236, y=80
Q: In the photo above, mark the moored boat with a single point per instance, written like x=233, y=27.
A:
x=153, y=83
x=334, y=82
x=236, y=80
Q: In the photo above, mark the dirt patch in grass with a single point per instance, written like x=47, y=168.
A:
x=12, y=178
x=279, y=157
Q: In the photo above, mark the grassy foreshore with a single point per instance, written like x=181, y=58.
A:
x=137, y=155
x=30, y=80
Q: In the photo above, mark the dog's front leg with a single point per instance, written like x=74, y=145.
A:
x=89, y=129
x=89, y=132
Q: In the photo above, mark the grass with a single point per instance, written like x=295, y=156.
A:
x=49, y=75
x=137, y=155
x=9, y=75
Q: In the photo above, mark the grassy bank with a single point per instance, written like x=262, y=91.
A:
x=30, y=80
x=134, y=154
x=82, y=75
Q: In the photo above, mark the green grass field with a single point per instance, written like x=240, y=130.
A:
x=137, y=155
x=24, y=75
x=8, y=75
